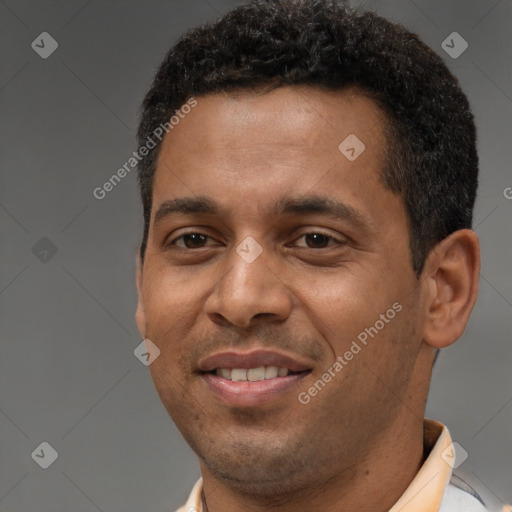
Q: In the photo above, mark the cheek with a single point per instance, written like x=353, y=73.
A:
x=345, y=302
x=171, y=308
x=170, y=295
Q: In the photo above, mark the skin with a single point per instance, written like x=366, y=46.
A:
x=358, y=443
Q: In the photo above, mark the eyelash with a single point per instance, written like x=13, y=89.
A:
x=330, y=237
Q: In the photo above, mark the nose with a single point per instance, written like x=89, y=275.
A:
x=247, y=292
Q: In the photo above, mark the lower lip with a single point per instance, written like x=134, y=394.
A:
x=250, y=394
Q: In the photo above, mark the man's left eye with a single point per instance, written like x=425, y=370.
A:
x=191, y=240
x=317, y=240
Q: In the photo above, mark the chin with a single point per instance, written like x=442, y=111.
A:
x=256, y=467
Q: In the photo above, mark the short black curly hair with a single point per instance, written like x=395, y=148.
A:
x=432, y=161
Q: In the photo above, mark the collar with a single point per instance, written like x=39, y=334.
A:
x=425, y=492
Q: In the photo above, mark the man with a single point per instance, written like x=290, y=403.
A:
x=306, y=251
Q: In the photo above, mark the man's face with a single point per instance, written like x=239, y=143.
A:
x=270, y=168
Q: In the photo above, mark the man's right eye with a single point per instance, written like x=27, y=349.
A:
x=190, y=241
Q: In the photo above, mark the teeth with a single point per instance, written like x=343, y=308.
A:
x=238, y=374
x=225, y=372
x=255, y=374
x=252, y=374
x=271, y=372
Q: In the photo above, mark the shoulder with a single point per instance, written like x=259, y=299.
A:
x=459, y=496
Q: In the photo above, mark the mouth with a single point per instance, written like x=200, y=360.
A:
x=251, y=379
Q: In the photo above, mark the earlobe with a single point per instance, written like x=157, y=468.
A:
x=452, y=272
x=140, y=316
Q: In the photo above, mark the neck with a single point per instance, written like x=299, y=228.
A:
x=373, y=484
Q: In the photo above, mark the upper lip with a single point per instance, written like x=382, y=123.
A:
x=252, y=359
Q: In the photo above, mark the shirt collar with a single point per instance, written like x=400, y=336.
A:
x=425, y=493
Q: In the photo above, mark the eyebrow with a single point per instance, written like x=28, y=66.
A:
x=306, y=205
x=289, y=205
x=186, y=206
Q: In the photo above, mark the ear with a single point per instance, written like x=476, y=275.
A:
x=140, y=316
x=451, y=275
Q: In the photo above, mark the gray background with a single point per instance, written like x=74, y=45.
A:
x=68, y=373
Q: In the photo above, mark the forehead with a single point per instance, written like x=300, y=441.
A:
x=300, y=116
x=289, y=134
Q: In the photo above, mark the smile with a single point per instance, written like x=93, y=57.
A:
x=251, y=378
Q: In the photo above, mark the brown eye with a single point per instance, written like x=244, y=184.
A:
x=317, y=240
x=192, y=240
